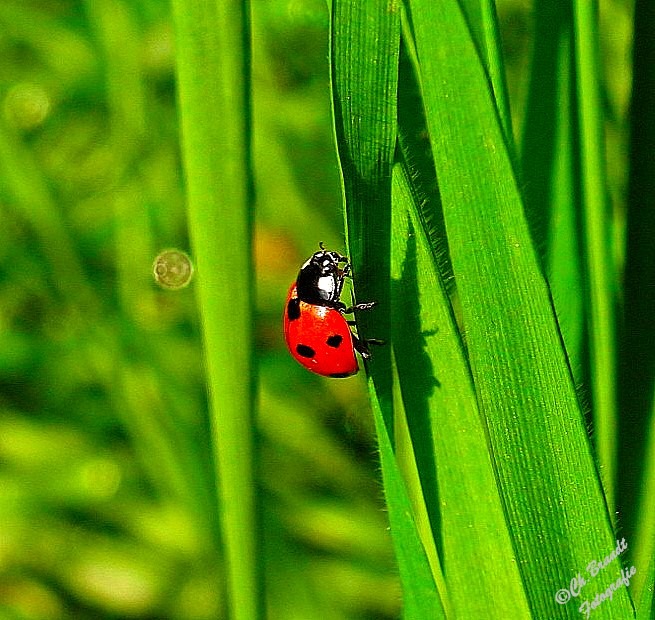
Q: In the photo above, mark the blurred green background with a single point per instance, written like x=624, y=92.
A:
x=107, y=505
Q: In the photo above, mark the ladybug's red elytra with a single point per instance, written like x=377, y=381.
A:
x=315, y=328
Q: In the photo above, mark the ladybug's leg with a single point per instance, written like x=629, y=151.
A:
x=361, y=346
x=345, y=272
x=366, y=306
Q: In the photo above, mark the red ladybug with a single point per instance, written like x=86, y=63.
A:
x=315, y=329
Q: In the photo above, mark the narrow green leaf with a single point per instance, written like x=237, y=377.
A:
x=449, y=438
x=496, y=68
x=643, y=553
x=483, y=23
x=213, y=79
x=365, y=42
x=416, y=153
x=420, y=597
x=637, y=377
x=549, y=158
x=644, y=594
x=545, y=472
x=26, y=191
x=600, y=274
x=114, y=27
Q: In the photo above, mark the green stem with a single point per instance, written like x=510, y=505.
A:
x=496, y=68
x=213, y=66
x=596, y=220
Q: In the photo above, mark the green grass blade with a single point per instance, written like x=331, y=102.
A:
x=637, y=376
x=644, y=593
x=545, y=471
x=213, y=77
x=448, y=436
x=496, y=67
x=421, y=599
x=26, y=191
x=482, y=19
x=643, y=553
x=364, y=97
x=596, y=215
x=416, y=156
x=549, y=158
x=483, y=22
x=115, y=29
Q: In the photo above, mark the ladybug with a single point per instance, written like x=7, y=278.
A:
x=316, y=331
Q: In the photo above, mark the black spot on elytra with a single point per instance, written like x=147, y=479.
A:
x=293, y=309
x=304, y=351
x=334, y=341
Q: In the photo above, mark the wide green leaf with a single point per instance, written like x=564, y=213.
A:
x=545, y=472
x=448, y=435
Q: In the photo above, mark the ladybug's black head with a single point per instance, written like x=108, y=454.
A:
x=321, y=279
